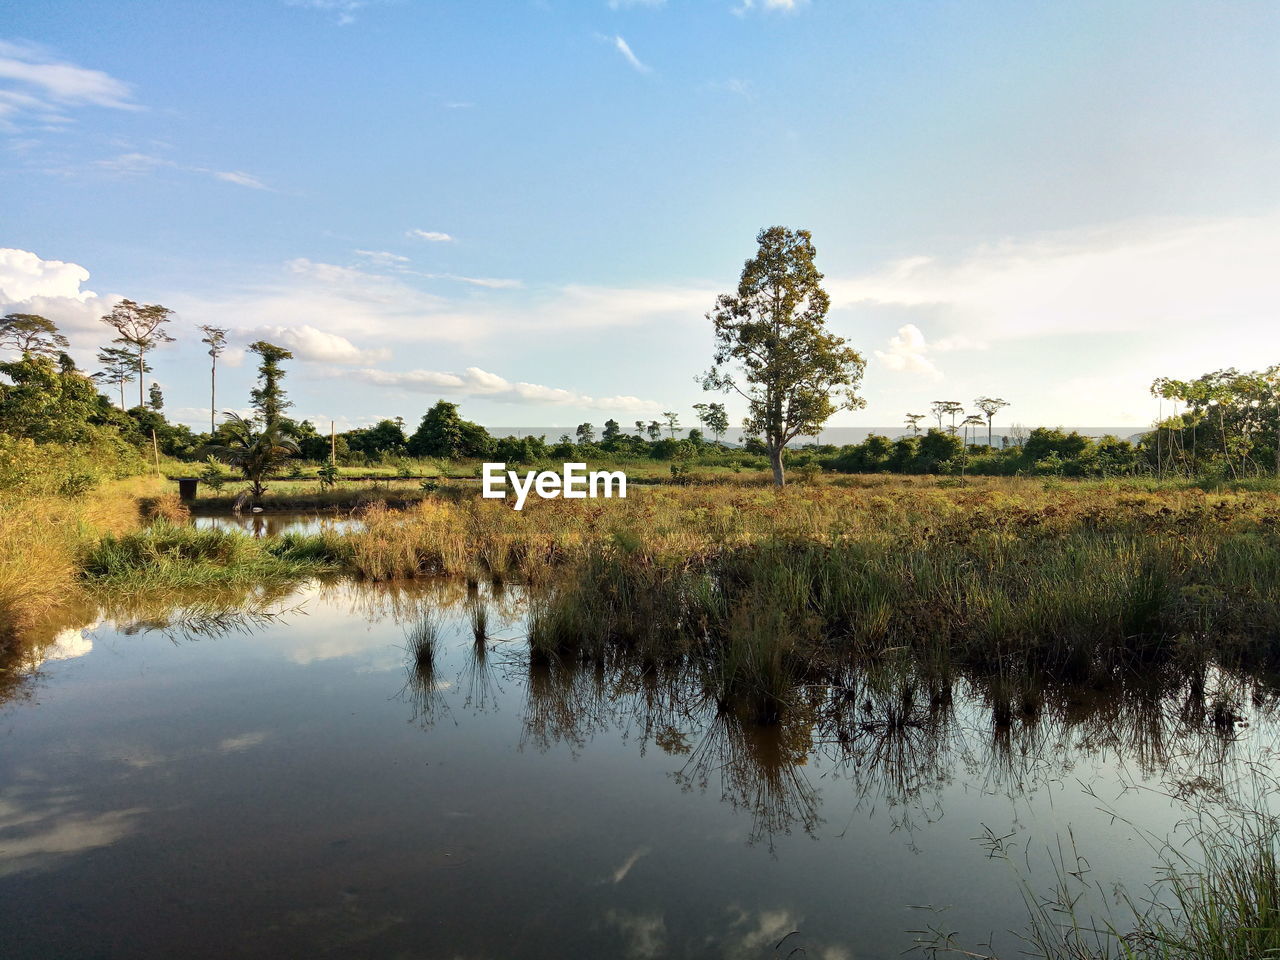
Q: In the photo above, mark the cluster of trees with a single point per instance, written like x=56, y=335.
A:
x=1225, y=423
x=1042, y=452
x=941, y=409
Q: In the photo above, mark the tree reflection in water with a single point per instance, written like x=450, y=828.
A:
x=896, y=728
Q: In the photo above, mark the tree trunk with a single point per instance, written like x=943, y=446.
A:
x=213, y=395
x=775, y=460
x=141, y=378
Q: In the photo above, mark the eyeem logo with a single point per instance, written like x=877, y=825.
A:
x=574, y=484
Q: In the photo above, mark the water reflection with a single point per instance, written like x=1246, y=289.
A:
x=375, y=767
x=278, y=523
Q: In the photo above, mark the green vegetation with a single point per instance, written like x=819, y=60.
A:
x=168, y=556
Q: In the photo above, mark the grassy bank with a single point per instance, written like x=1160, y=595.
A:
x=42, y=538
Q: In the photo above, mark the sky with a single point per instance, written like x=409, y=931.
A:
x=528, y=208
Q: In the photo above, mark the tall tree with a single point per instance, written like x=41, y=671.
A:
x=119, y=366
x=794, y=373
x=216, y=338
x=611, y=431
x=639, y=428
x=586, y=433
x=990, y=406
x=268, y=397
x=654, y=430
x=913, y=421
x=30, y=333
x=717, y=420
x=140, y=328
x=155, y=398
x=673, y=421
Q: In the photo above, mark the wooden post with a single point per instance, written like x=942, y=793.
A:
x=155, y=446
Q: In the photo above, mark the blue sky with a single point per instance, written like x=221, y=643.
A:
x=528, y=207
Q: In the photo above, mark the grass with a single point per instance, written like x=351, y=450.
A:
x=169, y=556
x=41, y=538
x=761, y=586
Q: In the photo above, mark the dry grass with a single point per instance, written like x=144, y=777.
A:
x=42, y=538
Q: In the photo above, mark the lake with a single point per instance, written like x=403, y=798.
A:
x=294, y=783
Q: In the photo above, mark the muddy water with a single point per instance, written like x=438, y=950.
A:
x=293, y=785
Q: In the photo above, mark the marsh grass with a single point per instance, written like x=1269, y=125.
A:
x=41, y=538
x=168, y=556
x=760, y=587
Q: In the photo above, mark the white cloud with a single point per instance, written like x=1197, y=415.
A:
x=623, y=48
x=787, y=6
x=239, y=178
x=907, y=353
x=37, y=84
x=373, y=306
x=138, y=164
x=491, y=283
x=344, y=11
x=24, y=276
x=434, y=236
x=308, y=343
x=1156, y=277
x=382, y=258
x=474, y=383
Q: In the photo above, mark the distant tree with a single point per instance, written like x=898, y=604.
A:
x=673, y=421
x=696, y=436
x=140, y=328
x=384, y=437
x=611, y=431
x=717, y=420
x=794, y=373
x=1043, y=442
x=268, y=397
x=937, y=447
x=119, y=366
x=913, y=421
x=639, y=428
x=700, y=410
x=254, y=453
x=654, y=430
x=443, y=433
x=945, y=408
x=155, y=398
x=990, y=406
x=586, y=433
x=216, y=338
x=972, y=420
x=30, y=333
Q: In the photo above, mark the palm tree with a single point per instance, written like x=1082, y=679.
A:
x=255, y=454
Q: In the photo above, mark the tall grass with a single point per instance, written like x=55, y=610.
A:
x=41, y=538
x=758, y=586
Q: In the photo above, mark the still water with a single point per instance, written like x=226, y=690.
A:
x=290, y=785
x=276, y=523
